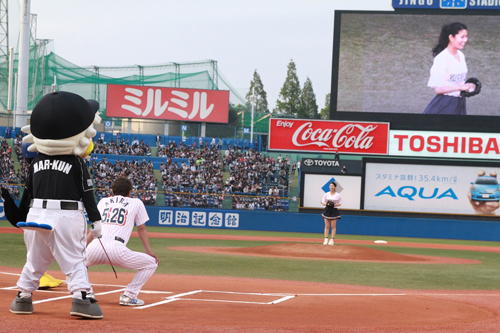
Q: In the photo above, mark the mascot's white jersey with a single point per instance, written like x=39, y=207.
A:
x=119, y=215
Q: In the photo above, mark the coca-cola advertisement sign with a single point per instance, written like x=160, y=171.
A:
x=328, y=136
x=162, y=103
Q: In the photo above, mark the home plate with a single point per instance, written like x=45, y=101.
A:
x=380, y=242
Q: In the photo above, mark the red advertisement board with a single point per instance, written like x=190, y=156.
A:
x=210, y=106
x=328, y=136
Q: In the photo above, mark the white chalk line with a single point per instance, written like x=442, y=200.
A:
x=168, y=300
x=181, y=297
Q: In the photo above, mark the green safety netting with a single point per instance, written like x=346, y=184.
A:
x=49, y=71
x=91, y=82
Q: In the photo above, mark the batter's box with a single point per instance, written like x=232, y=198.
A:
x=239, y=297
x=225, y=297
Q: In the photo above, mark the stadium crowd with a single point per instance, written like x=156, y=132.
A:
x=260, y=176
x=256, y=181
x=8, y=176
x=140, y=173
x=121, y=147
x=197, y=183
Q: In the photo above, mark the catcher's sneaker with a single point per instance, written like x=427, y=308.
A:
x=86, y=308
x=325, y=242
x=330, y=242
x=125, y=300
x=22, y=305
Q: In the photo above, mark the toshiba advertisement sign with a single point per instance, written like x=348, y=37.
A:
x=211, y=106
x=444, y=144
x=328, y=136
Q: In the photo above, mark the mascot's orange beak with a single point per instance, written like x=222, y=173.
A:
x=89, y=150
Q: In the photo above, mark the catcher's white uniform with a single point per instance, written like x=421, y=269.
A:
x=119, y=215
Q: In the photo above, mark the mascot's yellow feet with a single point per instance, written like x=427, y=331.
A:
x=48, y=281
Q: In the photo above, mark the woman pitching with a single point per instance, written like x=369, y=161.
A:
x=331, y=200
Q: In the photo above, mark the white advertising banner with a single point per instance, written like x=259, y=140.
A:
x=446, y=189
x=444, y=144
x=315, y=186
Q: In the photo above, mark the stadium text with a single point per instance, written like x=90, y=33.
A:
x=328, y=136
x=285, y=124
x=484, y=3
x=305, y=136
x=415, y=2
x=409, y=192
x=313, y=162
x=456, y=144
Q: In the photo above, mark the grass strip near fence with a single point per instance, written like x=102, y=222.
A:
x=483, y=276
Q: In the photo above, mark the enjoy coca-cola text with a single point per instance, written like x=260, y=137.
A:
x=346, y=136
x=329, y=136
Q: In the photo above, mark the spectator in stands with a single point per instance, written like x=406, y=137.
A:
x=8, y=176
x=121, y=148
x=248, y=170
x=196, y=183
x=141, y=174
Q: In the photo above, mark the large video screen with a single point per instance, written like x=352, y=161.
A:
x=382, y=63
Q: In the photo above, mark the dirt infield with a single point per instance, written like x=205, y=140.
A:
x=217, y=304
x=176, y=303
x=320, y=252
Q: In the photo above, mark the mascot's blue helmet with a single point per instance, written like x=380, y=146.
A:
x=24, y=150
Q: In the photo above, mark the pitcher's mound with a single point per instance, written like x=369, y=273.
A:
x=325, y=252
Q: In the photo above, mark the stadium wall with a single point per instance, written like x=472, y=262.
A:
x=313, y=223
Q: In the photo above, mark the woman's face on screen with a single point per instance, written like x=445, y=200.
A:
x=458, y=41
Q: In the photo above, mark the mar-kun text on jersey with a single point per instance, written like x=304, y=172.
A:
x=52, y=165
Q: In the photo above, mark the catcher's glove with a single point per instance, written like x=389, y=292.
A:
x=476, y=91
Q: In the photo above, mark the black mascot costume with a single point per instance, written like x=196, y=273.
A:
x=57, y=192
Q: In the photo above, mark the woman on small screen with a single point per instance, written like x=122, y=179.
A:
x=331, y=200
x=449, y=71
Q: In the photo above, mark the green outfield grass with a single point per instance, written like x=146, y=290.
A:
x=482, y=276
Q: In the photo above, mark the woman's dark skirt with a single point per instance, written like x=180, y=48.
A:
x=444, y=104
x=331, y=213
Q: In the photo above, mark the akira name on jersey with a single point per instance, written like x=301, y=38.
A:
x=120, y=214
